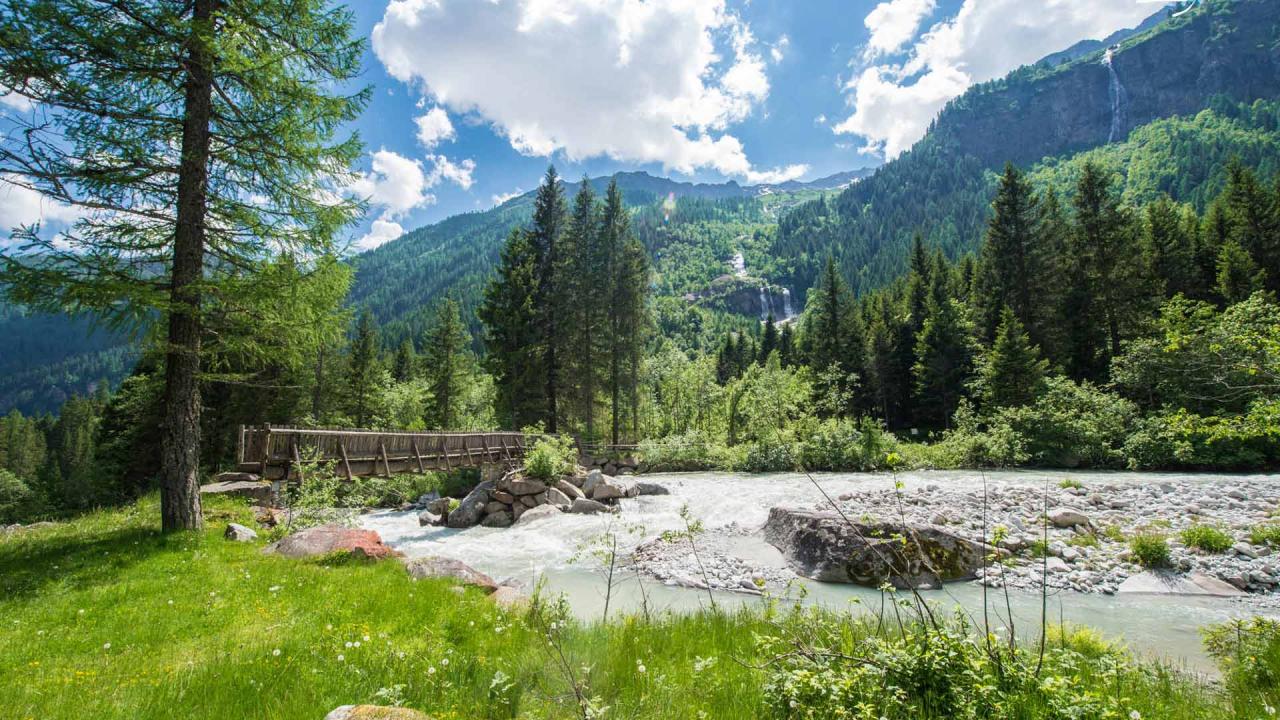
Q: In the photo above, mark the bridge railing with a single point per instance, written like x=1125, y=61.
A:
x=277, y=451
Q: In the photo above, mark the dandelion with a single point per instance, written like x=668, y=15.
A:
x=276, y=652
x=341, y=657
x=347, y=644
x=431, y=670
x=356, y=643
x=1135, y=715
x=471, y=623
x=640, y=668
x=366, y=638
x=106, y=646
x=78, y=612
x=444, y=662
x=329, y=626
x=1269, y=710
x=274, y=588
x=170, y=602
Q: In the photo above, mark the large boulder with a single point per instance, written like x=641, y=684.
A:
x=824, y=546
x=471, y=509
x=499, y=519
x=1065, y=517
x=427, y=518
x=583, y=506
x=520, y=487
x=328, y=539
x=557, y=498
x=606, y=490
x=570, y=490
x=650, y=488
x=438, y=567
x=1167, y=583
x=258, y=492
x=594, y=478
x=538, y=513
x=374, y=712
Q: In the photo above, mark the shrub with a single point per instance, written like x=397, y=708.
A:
x=770, y=456
x=689, y=451
x=1070, y=483
x=1184, y=440
x=1207, y=538
x=1265, y=535
x=1150, y=549
x=1248, y=652
x=1114, y=533
x=16, y=499
x=550, y=458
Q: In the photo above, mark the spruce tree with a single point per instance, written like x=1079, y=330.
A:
x=587, y=331
x=1255, y=220
x=195, y=140
x=514, y=346
x=627, y=272
x=362, y=369
x=1170, y=250
x=768, y=341
x=1012, y=371
x=786, y=346
x=1238, y=275
x=1012, y=269
x=944, y=362
x=833, y=342
x=448, y=361
x=551, y=299
x=402, y=368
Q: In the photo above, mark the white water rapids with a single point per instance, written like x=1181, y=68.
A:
x=1157, y=625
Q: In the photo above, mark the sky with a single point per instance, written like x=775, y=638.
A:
x=473, y=98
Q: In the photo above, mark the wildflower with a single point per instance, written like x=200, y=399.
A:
x=347, y=644
x=640, y=668
x=1135, y=715
x=471, y=623
x=274, y=588
x=1269, y=710
x=170, y=602
x=341, y=657
x=276, y=652
x=431, y=670
x=356, y=643
x=106, y=646
x=329, y=626
x=444, y=662
x=78, y=612
x=366, y=638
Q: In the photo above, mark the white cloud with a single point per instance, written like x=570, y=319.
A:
x=434, y=127
x=21, y=206
x=778, y=50
x=894, y=104
x=500, y=198
x=893, y=23
x=13, y=100
x=657, y=81
x=382, y=232
x=778, y=175
x=444, y=169
x=396, y=183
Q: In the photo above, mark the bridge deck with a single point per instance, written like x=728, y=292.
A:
x=277, y=452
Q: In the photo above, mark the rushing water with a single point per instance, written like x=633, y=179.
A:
x=1163, y=626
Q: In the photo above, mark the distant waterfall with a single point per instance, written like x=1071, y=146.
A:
x=766, y=304
x=1118, y=98
x=786, y=305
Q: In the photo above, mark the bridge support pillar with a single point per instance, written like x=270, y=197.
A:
x=491, y=471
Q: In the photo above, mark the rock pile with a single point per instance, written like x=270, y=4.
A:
x=625, y=465
x=517, y=498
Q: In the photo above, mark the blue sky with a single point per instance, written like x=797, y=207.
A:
x=472, y=98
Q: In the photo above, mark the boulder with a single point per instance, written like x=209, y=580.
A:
x=557, y=498
x=493, y=506
x=569, y=490
x=649, y=488
x=610, y=468
x=823, y=546
x=535, y=514
x=526, y=487
x=438, y=567
x=327, y=539
x=503, y=496
x=608, y=491
x=517, y=511
x=427, y=518
x=594, y=478
x=471, y=508
x=1245, y=549
x=440, y=506
x=1167, y=583
x=258, y=492
x=528, y=501
x=499, y=519
x=375, y=712
x=583, y=506
x=239, y=533
x=1065, y=517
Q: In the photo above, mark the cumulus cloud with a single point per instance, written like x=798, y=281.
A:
x=382, y=232
x=434, y=127
x=500, y=198
x=20, y=206
x=396, y=183
x=458, y=173
x=894, y=103
x=894, y=23
x=658, y=81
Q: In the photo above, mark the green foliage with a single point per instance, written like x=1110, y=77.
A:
x=1265, y=535
x=550, y=458
x=1209, y=538
x=1248, y=652
x=1182, y=440
x=1070, y=483
x=16, y=499
x=1012, y=372
x=1150, y=549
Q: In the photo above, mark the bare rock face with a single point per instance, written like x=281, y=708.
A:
x=471, y=509
x=438, y=567
x=327, y=539
x=823, y=546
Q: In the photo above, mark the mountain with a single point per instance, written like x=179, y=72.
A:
x=1220, y=55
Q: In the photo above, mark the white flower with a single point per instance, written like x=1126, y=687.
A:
x=347, y=644
x=276, y=652
x=329, y=626
x=444, y=662
x=471, y=623
x=170, y=602
x=1135, y=715
x=106, y=646
x=356, y=643
x=78, y=612
x=1269, y=710
x=431, y=670
x=366, y=638
x=274, y=588
x=341, y=658
x=640, y=668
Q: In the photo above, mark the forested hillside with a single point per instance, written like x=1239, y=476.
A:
x=1219, y=56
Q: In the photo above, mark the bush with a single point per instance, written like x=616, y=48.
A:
x=1265, y=535
x=690, y=451
x=770, y=456
x=1150, y=549
x=16, y=499
x=1248, y=652
x=1207, y=538
x=1183, y=440
x=550, y=458
x=1070, y=483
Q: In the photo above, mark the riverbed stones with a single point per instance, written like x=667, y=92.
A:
x=1065, y=517
x=426, y=518
x=569, y=489
x=439, y=567
x=471, y=509
x=1167, y=583
x=499, y=519
x=824, y=546
x=239, y=533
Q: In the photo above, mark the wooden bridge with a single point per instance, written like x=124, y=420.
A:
x=282, y=452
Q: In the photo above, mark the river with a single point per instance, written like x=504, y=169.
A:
x=1165, y=627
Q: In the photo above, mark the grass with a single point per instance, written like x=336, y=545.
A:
x=1070, y=483
x=1150, y=549
x=1206, y=538
x=104, y=617
x=1265, y=535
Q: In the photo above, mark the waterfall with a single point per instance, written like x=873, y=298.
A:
x=1118, y=98
x=766, y=305
x=786, y=304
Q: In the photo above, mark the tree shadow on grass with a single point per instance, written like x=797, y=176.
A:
x=29, y=565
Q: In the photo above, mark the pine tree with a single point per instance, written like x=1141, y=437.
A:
x=1170, y=250
x=944, y=362
x=786, y=346
x=132, y=134
x=1238, y=275
x=727, y=360
x=587, y=331
x=1012, y=372
x=406, y=358
x=1255, y=220
x=1011, y=271
x=768, y=341
x=551, y=298
x=627, y=270
x=362, y=369
x=833, y=342
x=448, y=363
x=514, y=351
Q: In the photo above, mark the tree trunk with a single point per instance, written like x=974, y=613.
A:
x=180, y=444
